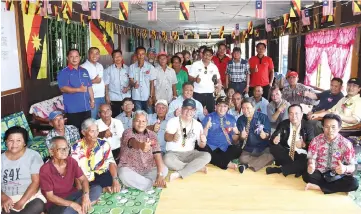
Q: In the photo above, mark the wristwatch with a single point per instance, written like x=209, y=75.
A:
x=116, y=178
x=160, y=174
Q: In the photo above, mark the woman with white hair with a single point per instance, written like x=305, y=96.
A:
x=141, y=165
x=95, y=158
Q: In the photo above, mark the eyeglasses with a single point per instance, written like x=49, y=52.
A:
x=205, y=67
x=66, y=149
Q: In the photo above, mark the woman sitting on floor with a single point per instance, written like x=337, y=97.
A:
x=20, y=175
x=95, y=158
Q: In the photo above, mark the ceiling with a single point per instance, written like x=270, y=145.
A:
x=205, y=16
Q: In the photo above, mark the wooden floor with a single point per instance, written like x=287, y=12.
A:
x=223, y=192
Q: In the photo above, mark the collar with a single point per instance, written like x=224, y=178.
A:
x=87, y=61
x=121, y=67
x=145, y=132
x=131, y=115
x=53, y=169
x=224, y=58
x=72, y=68
x=144, y=65
x=334, y=141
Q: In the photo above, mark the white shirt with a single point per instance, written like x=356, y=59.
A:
x=127, y=121
x=178, y=103
x=298, y=137
x=232, y=111
x=163, y=83
x=95, y=70
x=193, y=131
x=152, y=119
x=143, y=76
x=117, y=79
x=116, y=128
x=261, y=106
x=206, y=84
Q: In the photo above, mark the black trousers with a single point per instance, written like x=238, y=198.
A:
x=346, y=184
x=289, y=166
x=103, y=180
x=36, y=206
x=116, y=107
x=115, y=153
x=76, y=119
x=266, y=90
x=221, y=158
x=206, y=99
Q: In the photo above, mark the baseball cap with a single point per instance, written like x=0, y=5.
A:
x=151, y=50
x=356, y=81
x=292, y=74
x=222, y=100
x=162, y=53
x=189, y=102
x=54, y=114
x=164, y=102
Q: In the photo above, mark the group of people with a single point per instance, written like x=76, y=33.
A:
x=110, y=136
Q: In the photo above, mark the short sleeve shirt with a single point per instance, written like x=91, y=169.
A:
x=264, y=65
x=349, y=107
x=177, y=103
x=327, y=100
x=16, y=174
x=79, y=101
x=327, y=154
x=238, y=71
x=71, y=135
x=271, y=110
x=117, y=79
x=296, y=95
x=192, y=132
x=127, y=121
x=222, y=66
x=261, y=106
x=206, y=85
x=52, y=180
x=96, y=70
x=232, y=111
x=116, y=128
x=136, y=159
x=164, y=80
x=182, y=77
x=143, y=76
x=152, y=119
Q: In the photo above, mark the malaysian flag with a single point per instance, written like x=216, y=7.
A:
x=260, y=9
x=136, y=1
x=268, y=25
x=85, y=5
x=95, y=9
x=237, y=30
x=305, y=17
x=43, y=7
x=327, y=8
x=152, y=11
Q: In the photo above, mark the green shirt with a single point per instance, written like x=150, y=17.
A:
x=182, y=78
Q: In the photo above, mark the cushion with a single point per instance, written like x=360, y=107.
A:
x=38, y=144
x=44, y=108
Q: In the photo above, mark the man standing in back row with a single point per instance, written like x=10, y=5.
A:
x=262, y=70
x=221, y=61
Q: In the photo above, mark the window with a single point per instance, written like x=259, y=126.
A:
x=243, y=50
x=250, y=48
x=62, y=37
x=283, y=55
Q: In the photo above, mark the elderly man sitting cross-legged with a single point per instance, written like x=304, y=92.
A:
x=331, y=160
x=141, y=165
x=57, y=178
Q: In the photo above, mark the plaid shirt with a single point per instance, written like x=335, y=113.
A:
x=71, y=135
x=238, y=71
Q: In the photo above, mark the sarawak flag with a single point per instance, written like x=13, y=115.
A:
x=101, y=36
x=221, y=32
x=67, y=9
x=184, y=10
x=8, y=4
x=25, y=4
x=35, y=29
x=286, y=21
x=327, y=7
x=356, y=7
x=123, y=11
x=250, y=28
x=108, y=4
x=306, y=17
x=260, y=9
x=295, y=10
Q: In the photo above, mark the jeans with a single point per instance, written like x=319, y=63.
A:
x=238, y=86
x=98, y=101
x=143, y=105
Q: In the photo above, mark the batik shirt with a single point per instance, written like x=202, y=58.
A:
x=327, y=154
x=94, y=160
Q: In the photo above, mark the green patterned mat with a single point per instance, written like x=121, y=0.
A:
x=128, y=201
x=356, y=195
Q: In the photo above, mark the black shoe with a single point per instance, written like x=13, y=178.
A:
x=241, y=168
x=272, y=170
x=298, y=174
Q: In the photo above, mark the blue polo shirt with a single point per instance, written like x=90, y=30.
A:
x=75, y=102
x=327, y=100
x=216, y=138
x=255, y=144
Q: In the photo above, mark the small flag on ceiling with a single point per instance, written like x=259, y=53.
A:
x=8, y=4
x=221, y=32
x=152, y=11
x=108, y=4
x=123, y=10
x=67, y=9
x=237, y=29
x=44, y=7
x=356, y=7
x=25, y=6
x=268, y=25
x=286, y=21
x=184, y=10
x=95, y=10
x=305, y=17
x=295, y=10
x=327, y=7
x=209, y=35
x=260, y=9
x=250, y=28
x=85, y=5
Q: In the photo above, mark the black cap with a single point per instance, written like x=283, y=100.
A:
x=236, y=49
x=222, y=100
x=356, y=81
x=189, y=102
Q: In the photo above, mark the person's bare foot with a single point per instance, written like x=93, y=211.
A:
x=174, y=176
x=232, y=166
x=204, y=170
x=310, y=186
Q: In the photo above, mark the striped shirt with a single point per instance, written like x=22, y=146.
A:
x=238, y=71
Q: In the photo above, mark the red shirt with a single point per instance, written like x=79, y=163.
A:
x=51, y=180
x=222, y=66
x=184, y=69
x=261, y=77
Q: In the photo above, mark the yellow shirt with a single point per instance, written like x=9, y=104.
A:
x=349, y=107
